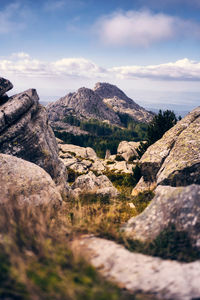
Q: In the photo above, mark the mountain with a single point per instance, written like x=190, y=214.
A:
x=120, y=103
x=105, y=102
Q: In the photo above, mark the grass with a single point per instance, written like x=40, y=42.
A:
x=35, y=257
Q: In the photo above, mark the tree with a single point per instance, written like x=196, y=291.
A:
x=161, y=122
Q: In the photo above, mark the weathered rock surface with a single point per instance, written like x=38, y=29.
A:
x=171, y=205
x=90, y=183
x=120, y=167
x=26, y=182
x=174, y=159
x=78, y=151
x=128, y=149
x=164, y=279
x=119, y=102
x=5, y=86
x=25, y=132
x=82, y=160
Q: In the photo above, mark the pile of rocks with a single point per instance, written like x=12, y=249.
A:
x=91, y=170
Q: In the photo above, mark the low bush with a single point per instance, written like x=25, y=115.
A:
x=169, y=244
x=101, y=136
x=119, y=158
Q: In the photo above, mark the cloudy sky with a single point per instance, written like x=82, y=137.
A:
x=149, y=48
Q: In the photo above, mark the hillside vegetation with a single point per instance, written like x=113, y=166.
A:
x=103, y=136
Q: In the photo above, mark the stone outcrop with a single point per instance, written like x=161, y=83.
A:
x=119, y=102
x=5, y=86
x=25, y=133
x=90, y=183
x=138, y=273
x=26, y=183
x=82, y=160
x=179, y=206
x=103, y=103
x=174, y=160
x=78, y=151
x=83, y=164
x=120, y=167
x=128, y=150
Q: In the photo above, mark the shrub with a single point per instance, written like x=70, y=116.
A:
x=102, y=136
x=119, y=158
x=161, y=122
x=169, y=244
x=132, y=158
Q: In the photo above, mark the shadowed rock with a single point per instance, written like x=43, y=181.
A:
x=5, y=86
x=25, y=132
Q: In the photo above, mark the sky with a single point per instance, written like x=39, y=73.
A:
x=148, y=48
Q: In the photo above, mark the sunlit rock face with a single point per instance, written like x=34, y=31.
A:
x=174, y=160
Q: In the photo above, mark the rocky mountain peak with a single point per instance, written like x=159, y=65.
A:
x=103, y=103
x=84, y=104
x=120, y=103
x=107, y=90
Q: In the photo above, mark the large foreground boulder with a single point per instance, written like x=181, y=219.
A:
x=174, y=160
x=138, y=273
x=25, y=182
x=178, y=206
x=25, y=133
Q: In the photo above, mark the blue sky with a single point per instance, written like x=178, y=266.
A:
x=150, y=49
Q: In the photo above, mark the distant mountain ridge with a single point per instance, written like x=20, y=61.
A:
x=104, y=103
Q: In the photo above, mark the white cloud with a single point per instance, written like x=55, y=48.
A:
x=183, y=69
x=77, y=67
x=142, y=28
x=21, y=64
